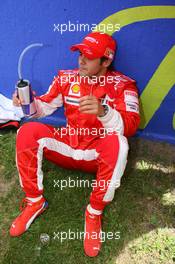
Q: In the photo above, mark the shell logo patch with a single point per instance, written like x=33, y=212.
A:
x=74, y=89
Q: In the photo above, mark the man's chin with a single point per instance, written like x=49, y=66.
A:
x=83, y=73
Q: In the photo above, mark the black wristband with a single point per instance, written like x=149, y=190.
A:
x=106, y=110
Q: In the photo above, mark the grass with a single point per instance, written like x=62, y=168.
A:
x=143, y=211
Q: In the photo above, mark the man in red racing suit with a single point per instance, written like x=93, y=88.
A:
x=102, y=110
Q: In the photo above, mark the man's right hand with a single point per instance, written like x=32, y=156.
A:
x=16, y=100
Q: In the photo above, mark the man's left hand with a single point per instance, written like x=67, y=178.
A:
x=89, y=104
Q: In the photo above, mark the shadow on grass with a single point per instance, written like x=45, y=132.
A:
x=138, y=208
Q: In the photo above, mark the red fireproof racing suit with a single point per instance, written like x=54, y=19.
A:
x=90, y=143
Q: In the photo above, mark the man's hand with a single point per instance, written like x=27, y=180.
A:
x=89, y=104
x=16, y=100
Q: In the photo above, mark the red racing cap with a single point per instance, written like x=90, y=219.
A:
x=96, y=45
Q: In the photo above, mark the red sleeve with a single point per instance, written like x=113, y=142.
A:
x=53, y=91
x=127, y=104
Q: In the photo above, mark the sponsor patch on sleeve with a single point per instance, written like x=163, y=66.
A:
x=131, y=101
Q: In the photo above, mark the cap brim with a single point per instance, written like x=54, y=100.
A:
x=86, y=50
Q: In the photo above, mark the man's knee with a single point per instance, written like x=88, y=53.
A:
x=29, y=133
x=28, y=128
x=34, y=128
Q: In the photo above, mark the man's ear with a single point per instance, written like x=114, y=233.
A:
x=106, y=63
